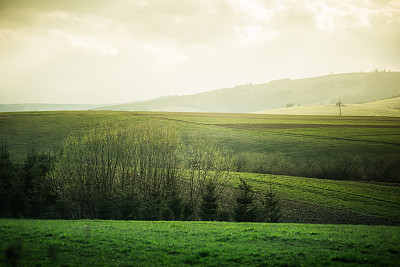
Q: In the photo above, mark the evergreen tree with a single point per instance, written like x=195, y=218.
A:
x=245, y=210
x=189, y=210
x=209, y=203
x=37, y=190
x=152, y=206
x=7, y=176
x=175, y=204
x=271, y=208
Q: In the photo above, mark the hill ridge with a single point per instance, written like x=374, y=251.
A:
x=327, y=89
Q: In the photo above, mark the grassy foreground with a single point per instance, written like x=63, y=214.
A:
x=136, y=243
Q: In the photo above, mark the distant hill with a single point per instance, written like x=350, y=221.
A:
x=350, y=87
x=44, y=107
x=386, y=107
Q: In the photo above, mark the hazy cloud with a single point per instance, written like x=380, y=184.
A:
x=119, y=51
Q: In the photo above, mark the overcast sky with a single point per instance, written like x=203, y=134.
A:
x=116, y=51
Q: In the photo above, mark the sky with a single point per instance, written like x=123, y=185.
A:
x=118, y=51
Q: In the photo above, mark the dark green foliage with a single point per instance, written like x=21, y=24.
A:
x=245, y=210
x=17, y=198
x=128, y=206
x=167, y=214
x=25, y=191
x=7, y=171
x=209, y=203
x=189, y=208
x=107, y=207
x=176, y=205
x=224, y=216
x=7, y=178
x=13, y=254
x=270, y=208
x=151, y=207
x=37, y=190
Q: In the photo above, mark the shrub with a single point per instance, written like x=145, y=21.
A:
x=167, y=214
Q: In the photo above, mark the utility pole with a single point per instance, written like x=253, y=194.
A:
x=340, y=109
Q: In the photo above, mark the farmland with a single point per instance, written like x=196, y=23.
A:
x=329, y=201
x=289, y=139
x=296, y=136
x=325, y=221
x=310, y=146
x=127, y=243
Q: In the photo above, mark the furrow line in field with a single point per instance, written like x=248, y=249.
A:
x=372, y=135
x=293, y=134
x=339, y=138
x=352, y=194
x=267, y=126
x=182, y=121
x=331, y=190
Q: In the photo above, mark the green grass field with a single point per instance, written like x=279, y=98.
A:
x=295, y=136
x=130, y=243
x=330, y=201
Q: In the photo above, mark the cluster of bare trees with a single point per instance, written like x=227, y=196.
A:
x=140, y=172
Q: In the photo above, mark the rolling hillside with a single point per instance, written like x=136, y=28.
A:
x=296, y=143
x=351, y=88
x=386, y=107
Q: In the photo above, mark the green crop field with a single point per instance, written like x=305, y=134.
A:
x=295, y=136
x=308, y=146
x=130, y=243
x=329, y=201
